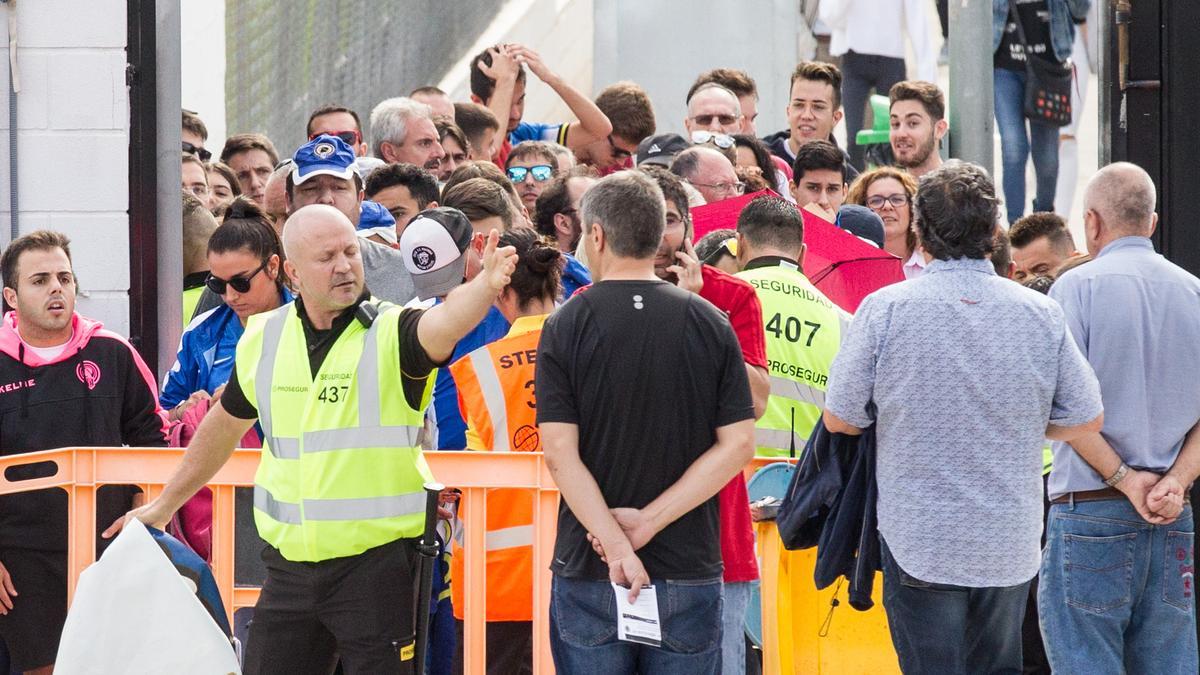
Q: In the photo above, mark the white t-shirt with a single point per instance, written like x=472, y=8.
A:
x=48, y=354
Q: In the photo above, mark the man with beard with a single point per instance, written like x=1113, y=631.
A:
x=402, y=130
x=918, y=117
x=531, y=166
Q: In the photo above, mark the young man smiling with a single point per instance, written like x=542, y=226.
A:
x=918, y=119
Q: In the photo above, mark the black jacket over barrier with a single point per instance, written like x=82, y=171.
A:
x=830, y=504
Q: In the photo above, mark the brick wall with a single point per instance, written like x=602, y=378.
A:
x=73, y=139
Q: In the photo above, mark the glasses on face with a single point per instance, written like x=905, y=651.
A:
x=723, y=141
x=707, y=120
x=618, y=153
x=351, y=137
x=875, y=203
x=723, y=188
x=203, y=154
x=240, y=283
x=541, y=173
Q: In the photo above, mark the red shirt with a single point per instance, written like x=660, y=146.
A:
x=737, y=299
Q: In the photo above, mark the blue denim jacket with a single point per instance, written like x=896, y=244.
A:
x=1063, y=15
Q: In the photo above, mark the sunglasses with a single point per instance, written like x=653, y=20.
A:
x=707, y=120
x=203, y=154
x=240, y=283
x=541, y=173
x=729, y=246
x=618, y=153
x=722, y=141
x=351, y=138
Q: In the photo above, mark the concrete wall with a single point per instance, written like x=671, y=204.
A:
x=663, y=45
x=73, y=140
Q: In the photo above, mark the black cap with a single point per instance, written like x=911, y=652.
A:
x=661, y=149
x=861, y=222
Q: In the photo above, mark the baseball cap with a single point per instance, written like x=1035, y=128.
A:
x=862, y=222
x=661, y=149
x=325, y=154
x=432, y=246
x=374, y=219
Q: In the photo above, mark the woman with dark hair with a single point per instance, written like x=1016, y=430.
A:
x=753, y=154
x=495, y=393
x=245, y=270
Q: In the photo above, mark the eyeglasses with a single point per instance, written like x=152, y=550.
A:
x=877, y=202
x=618, y=153
x=240, y=283
x=351, y=137
x=541, y=173
x=723, y=188
x=707, y=120
x=200, y=152
x=723, y=141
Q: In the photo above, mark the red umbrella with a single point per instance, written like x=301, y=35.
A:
x=842, y=266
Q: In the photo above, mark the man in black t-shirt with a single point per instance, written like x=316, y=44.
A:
x=645, y=413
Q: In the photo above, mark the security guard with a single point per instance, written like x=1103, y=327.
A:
x=803, y=327
x=495, y=391
x=338, y=381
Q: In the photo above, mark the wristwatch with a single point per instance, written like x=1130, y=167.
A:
x=1117, y=477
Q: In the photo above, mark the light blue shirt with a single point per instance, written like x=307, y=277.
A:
x=961, y=371
x=1136, y=317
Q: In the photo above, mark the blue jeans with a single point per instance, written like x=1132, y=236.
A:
x=583, y=629
x=733, y=627
x=942, y=629
x=1116, y=593
x=1018, y=138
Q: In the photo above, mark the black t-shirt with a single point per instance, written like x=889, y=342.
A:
x=1035, y=19
x=415, y=364
x=648, y=372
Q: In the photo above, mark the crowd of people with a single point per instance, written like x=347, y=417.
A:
x=459, y=278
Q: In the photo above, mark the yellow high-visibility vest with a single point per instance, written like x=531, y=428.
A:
x=341, y=470
x=803, y=330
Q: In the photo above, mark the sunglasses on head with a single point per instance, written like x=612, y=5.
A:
x=723, y=141
x=203, y=154
x=240, y=283
x=351, y=137
x=541, y=173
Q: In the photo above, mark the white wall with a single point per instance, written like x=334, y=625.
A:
x=202, y=72
x=73, y=141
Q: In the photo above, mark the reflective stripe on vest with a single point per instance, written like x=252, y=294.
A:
x=510, y=537
x=797, y=391
x=493, y=396
x=282, y=448
x=778, y=438
x=359, y=508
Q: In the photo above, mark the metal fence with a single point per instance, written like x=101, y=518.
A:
x=286, y=58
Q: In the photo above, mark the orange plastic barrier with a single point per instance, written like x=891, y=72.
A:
x=80, y=471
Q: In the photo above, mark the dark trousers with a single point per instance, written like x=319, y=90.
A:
x=943, y=10
x=1033, y=650
x=360, y=608
x=509, y=648
x=942, y=629
x=861, y=73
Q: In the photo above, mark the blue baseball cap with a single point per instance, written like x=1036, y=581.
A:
x=374, y=219
x=323, y=155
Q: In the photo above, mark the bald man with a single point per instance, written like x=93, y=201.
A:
x=339, y=549
x=1125, y=533
x=710, y=172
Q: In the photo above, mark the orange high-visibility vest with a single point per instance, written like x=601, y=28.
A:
x=496, y=397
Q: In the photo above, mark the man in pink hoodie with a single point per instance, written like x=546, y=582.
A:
x=64, y=381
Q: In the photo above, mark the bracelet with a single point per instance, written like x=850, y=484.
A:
x=1117, y=477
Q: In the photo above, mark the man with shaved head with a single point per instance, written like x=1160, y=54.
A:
x=338, y=380
x=1117, y=591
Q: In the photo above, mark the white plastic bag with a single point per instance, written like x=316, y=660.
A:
x=134, y=613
